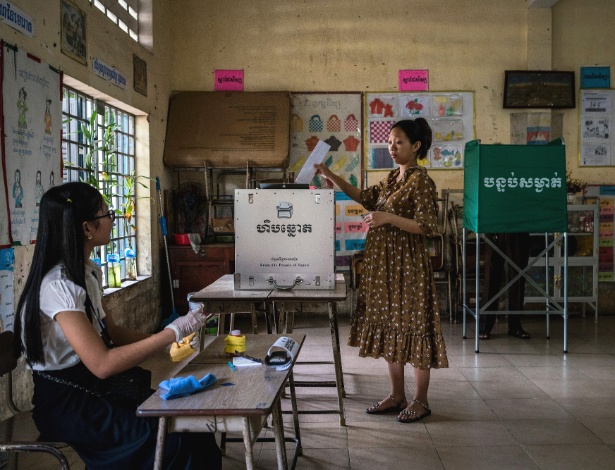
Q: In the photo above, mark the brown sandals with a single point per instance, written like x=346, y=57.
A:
x=376, y=408
x=410, y=416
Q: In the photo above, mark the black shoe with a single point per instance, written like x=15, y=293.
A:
x=520, y=333
x=484, y=335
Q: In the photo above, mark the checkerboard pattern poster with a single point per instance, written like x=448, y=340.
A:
x=450, y=115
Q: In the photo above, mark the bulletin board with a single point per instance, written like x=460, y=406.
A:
x=597, y=114
x=334, y=118
x=450, y=115
x=31, y=147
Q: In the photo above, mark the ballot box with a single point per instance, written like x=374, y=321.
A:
x=515, y=188
x=284, y=239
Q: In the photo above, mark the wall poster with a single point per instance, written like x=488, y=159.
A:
x=606, y=230
x=350, y=230
x=450, y=115
x=334, y=118
x=7, y=297
x=31, y=152
x=597, y=146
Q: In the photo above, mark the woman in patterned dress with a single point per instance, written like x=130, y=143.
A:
x=397, y=309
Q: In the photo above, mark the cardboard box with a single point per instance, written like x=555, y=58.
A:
x=223, y=225
x=284, y=238
x=228, y=130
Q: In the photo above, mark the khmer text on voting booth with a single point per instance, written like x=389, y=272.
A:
x=284, y=239
x=510, y=189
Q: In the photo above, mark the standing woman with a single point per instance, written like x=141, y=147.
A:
x=73, y=345
x=397, y=309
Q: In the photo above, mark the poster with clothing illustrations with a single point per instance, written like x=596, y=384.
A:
x=334, y=118
x=32, y=153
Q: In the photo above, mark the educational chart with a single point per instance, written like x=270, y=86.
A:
x=450, y=115
x=606, y=230
x=334, y=118
x=350, y=230
x=32, y=154
x=7, y=313
x=597, y=146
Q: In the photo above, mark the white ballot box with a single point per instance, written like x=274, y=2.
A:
x=284, y=239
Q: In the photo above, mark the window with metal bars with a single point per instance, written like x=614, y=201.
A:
x=98, y=147
x=124, y=13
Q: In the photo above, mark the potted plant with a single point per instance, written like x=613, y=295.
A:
x=574, y=187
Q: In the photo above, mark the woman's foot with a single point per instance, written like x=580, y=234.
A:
x=388, y=405
x=414, y=412
x=484, y=335
x=520, y=333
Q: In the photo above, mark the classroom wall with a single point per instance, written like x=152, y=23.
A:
x=360, y=45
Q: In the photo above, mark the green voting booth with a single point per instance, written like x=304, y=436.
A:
x=515, y=188
x=509, y=189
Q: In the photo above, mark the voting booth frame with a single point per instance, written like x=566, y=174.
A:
x=512, y=189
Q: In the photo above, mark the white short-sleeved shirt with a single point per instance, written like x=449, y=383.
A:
x=60, y=294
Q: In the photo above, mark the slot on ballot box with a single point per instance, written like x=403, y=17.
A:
x=284, y=239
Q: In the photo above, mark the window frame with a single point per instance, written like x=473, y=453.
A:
x=77, y=109
x=123, y=13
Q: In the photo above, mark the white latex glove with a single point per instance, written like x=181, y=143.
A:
x=189, y=323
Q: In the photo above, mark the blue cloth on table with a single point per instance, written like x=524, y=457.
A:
x=184, y=386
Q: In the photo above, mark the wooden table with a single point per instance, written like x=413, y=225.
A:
x=243, y=406
x=288, y=302
x=222, y=297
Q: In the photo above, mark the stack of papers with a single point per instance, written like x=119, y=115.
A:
x=240, y=361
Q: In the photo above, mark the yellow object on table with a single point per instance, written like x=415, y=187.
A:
x=235, y=343
x=183, y=349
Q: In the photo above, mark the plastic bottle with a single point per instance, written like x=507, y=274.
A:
x=131, y=264
x=113, y=268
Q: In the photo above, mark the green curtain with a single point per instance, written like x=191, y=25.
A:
x=515, y=188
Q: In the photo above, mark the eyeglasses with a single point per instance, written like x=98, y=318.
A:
x=110, y=214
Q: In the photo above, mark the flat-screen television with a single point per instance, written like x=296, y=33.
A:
x=539, y=89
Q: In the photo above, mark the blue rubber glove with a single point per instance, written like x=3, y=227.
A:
x=184, y=386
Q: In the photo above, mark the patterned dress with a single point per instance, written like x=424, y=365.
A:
x=397, y=310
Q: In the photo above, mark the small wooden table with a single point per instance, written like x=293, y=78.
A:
x=255, y=393
x=222, y=297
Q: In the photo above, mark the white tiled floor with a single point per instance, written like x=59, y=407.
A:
x=515, y=405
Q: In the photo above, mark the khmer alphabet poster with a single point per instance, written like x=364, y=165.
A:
x=32, y=153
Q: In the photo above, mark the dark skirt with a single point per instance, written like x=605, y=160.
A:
x=110, y=435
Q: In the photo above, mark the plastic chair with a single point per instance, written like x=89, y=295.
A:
x=18, y=433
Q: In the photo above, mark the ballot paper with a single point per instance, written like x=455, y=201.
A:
x=308, y=171
x=240, y=361
x=282, y=353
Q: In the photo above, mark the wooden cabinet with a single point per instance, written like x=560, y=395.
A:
x=191, y=272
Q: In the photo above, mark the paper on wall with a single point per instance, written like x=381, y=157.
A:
x=308, y=171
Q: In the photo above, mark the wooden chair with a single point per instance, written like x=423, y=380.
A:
x=18, y=433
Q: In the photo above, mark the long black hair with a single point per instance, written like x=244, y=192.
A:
x=417, y=130
x=60, y=239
